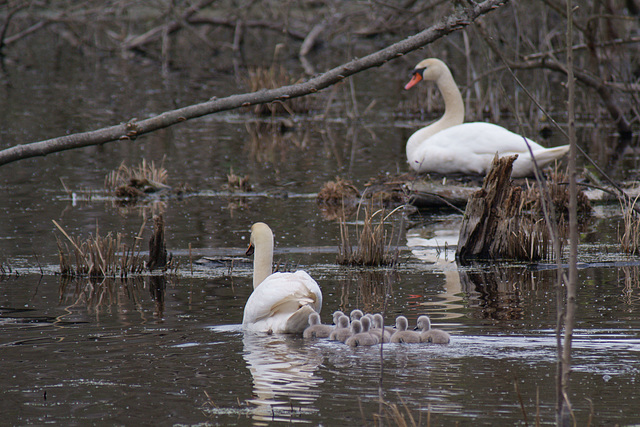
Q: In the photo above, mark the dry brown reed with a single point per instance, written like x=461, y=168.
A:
x=238, y=183
x=373, y=249
x=337, y=199
x=135, y=182
x=630, y=238
x=98, y=256
x=392, y=414
x=338, y=193
x=558, y=194
x=273, y=77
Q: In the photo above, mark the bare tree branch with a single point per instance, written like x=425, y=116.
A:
x=169, y=27
x=133, y=129
x=584, y=77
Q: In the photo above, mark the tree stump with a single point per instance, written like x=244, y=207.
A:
x=493, y=227
x=157, y=246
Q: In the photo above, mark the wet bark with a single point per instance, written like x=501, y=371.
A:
x=564, y=411
x=492, y=227
x=131, y=130
x=157, y=245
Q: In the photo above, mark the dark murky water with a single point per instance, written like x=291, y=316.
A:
x=130, y=356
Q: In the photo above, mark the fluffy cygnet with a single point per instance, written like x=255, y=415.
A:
x=342, y=330
x=317, y=329
x=356, y=314
x=402, y=335
x=362, y=338
x=435, y=336
x=379, y=330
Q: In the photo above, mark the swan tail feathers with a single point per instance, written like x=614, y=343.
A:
x=550, y=154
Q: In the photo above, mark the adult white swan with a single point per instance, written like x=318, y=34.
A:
x=449, y=146
x=280, y=302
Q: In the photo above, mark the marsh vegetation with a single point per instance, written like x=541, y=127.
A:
x=112, y=68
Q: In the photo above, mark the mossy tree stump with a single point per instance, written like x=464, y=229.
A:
x=493, y=226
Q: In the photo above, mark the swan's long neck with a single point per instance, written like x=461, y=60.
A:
x=453, y=111
x=262, y=260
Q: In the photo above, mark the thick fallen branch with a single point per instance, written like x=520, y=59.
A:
x=132, y=129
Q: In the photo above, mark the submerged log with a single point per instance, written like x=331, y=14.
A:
x=493, y=227
x=425, y=194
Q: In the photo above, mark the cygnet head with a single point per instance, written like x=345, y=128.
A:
x=401, y=323
x=424, y=323
x=378, y=321
x=356, y=327
x=336, y=316
x=356, y=314
x=366, y=324
x=314, y=319
x=343, y=322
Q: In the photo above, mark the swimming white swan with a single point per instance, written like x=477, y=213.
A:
x=280, y=302
x=451, y=146
x=435, y=336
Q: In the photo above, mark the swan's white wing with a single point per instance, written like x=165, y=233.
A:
x=483, y=138
x=471, y=147
x=282, y=303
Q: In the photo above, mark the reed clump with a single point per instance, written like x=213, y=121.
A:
x=373, y=248
x=136, y=182
x=630, y=237
x=273, y=77
x=557, y=195
x=98, y=256
x=238, y=183
x=337, y=193
x=393, y=414
x=337, y=199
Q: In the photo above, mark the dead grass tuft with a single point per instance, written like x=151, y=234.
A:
x=273, y=77
x=558, y=189
x=338, y=193
x=392, y=414
x=338, y=199
x=136, y=182
x=98, y=256
x=373, y=249
x=630, y=238
x=238, y=183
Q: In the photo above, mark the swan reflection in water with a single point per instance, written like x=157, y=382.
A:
x=285, y=384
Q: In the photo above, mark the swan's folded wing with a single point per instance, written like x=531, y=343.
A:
x=282, y=294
